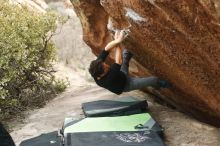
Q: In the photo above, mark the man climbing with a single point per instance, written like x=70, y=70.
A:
x=115, y=78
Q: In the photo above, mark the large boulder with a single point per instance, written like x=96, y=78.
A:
x=178, y=40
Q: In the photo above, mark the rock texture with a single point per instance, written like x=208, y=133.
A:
x=178, y=40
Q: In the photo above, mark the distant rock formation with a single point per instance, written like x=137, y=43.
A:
x=178, y=40
x=42, y=5
x=37, y=5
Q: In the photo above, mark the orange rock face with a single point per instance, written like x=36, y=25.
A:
x=178, y=40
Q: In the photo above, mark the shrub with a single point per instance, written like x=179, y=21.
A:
x=26, y=56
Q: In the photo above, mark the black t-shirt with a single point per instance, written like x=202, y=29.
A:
x=115, y=79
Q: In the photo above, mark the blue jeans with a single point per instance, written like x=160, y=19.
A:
x=134, y=83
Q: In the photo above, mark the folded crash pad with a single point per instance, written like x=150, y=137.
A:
x=136, y=122
x=129, y=130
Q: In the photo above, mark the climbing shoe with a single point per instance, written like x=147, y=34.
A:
x=127, y=55
x=164, y=84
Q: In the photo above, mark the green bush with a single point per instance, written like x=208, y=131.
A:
x=26, y=56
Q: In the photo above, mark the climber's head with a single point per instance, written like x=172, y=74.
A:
x=98, y=68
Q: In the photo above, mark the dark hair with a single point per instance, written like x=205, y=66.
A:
x=96, y=68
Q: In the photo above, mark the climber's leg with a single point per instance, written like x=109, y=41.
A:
x=140, y=83
x=125, y=62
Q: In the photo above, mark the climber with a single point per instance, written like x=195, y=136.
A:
x=115, y=78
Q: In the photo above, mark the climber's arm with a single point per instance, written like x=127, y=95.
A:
x=111, y=45
x=104, y=54
x=118, y=38
x=118, y=55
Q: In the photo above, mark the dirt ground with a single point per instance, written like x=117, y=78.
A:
x=180, y=130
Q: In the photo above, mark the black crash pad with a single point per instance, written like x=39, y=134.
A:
x=47, y=139
x=116, y=107
x=133, y=138
x=5, y=138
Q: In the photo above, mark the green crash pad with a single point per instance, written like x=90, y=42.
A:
x=121, y=123
x=121, y=107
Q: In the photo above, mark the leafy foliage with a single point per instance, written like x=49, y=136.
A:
x=26, y=56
